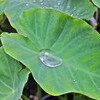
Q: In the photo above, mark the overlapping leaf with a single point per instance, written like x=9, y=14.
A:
x=81, y=9
x=74, y=41
x=97, y=3
x=2, y=5
x=12, y=78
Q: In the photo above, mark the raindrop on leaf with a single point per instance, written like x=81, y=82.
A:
x=58, y=4
x=27, y=4
x=74, y=80
x=71, y=14
x=50, y=7
x=49, y=59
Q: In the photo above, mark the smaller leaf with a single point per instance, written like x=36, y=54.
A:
x=81, y=9
x=12, y=77
x=97, y=3
x=2, y=5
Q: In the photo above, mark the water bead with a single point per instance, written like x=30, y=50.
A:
x=49, y=59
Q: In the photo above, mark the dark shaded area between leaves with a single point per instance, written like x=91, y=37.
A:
x=98, y=22
x=95, y=21
x=31, y=91
x=5, y=26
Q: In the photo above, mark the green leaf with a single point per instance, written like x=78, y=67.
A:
x=12, y=77
x=2, y=6
x=81, y=9
x=1, y=17
x=97, y=3
x=0, y=41
x=72, y=44
x=2, y=1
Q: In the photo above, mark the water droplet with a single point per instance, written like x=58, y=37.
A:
x=50, y=7
x=13, y=91
x=58, y=3
x=71, y=14
x=77, y=13
x=74, y=80
x=68, y=6
x=27, y=4
x=49, y=59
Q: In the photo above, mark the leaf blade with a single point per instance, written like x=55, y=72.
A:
x=80, y=58
x=10, y=79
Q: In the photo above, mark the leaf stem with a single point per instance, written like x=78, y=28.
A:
x=25, y=98
x=39, y=92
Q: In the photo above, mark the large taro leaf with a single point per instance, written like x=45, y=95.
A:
x=12, y=77
x=81, y=9
x=2, y=6
x=72, y=44
x=97, y=3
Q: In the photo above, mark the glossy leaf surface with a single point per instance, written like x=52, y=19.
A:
x=12, y=77
x=97, y=3
x=70, y=39
x=81, y=9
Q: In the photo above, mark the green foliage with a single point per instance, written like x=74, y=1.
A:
x=71, y=39
x=1, y=17
x=61, y=50
x=12, y=77
x=97, y=3
x=2, y=5
x=81, y=9
x=2, y=1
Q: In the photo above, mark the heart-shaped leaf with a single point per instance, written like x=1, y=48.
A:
x=61, y=51
x=12, y=77
x=97, y=3
x=81, y=9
